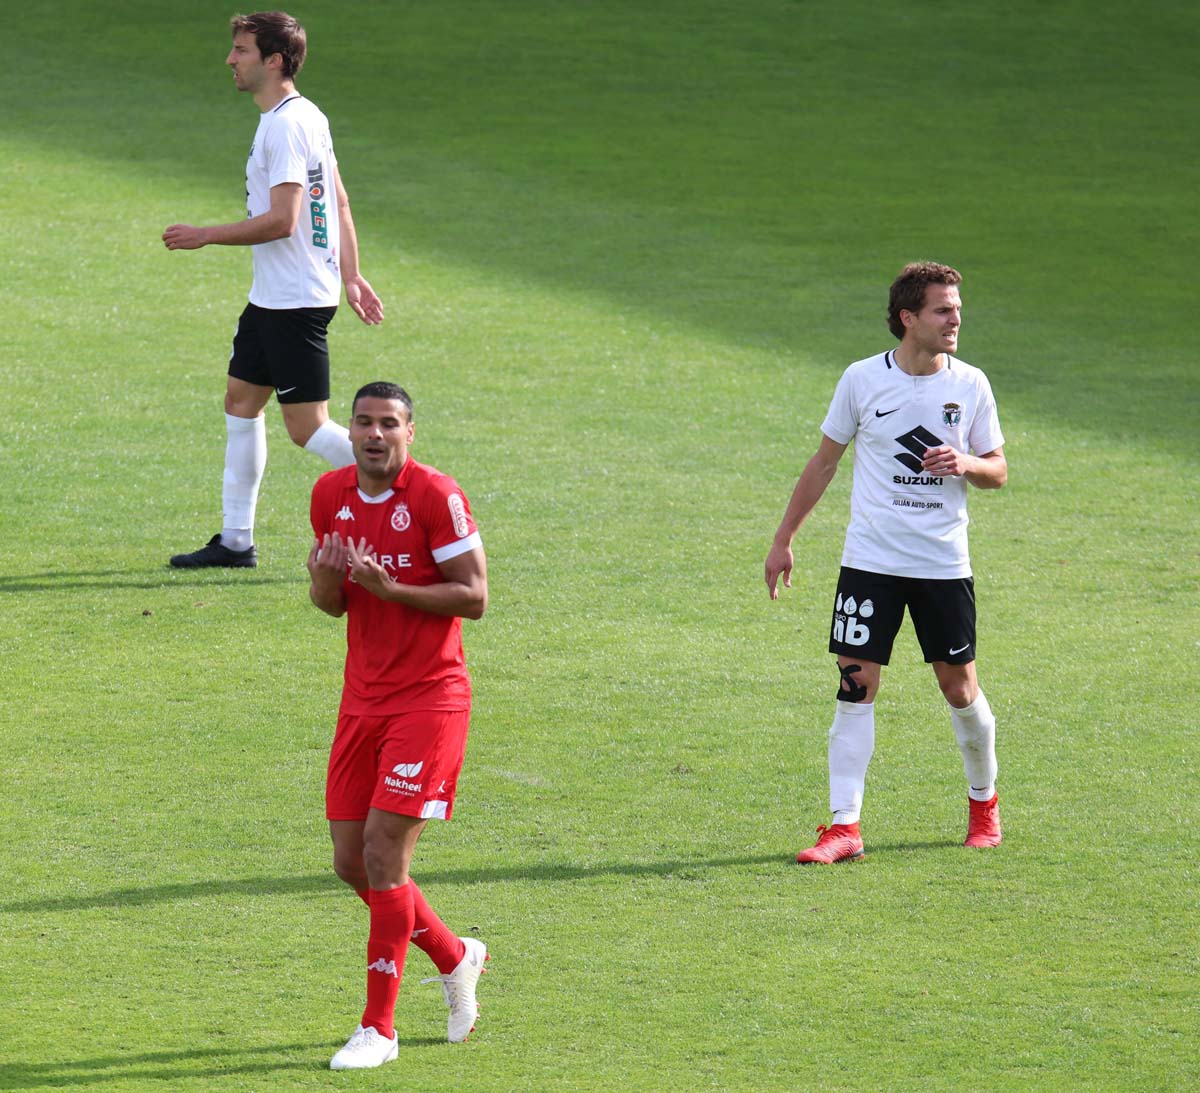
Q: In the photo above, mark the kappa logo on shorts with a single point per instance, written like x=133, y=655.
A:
x=846, y=626
x=400, y=517
x=458, y=513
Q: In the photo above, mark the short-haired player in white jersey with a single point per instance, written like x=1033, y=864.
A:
x=924, y=427
x=305, y=250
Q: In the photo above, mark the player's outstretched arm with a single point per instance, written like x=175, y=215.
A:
x=359, y=294
x=278, y=222
x=814, y=480
x=327, y=563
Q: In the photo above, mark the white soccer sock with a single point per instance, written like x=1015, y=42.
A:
x=975, y=729
x=851, y=744
x=245, y=461
x=332, y=443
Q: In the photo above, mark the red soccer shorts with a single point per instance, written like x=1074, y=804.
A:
x=404, y=763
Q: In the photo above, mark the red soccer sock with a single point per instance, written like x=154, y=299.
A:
x=433, y=936
x=391, y=927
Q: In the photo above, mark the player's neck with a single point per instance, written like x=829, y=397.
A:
x=270, y=97
x=373, y=485
x=916, y=362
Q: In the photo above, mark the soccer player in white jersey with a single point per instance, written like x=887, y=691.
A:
x=924, y=426
x=305, y=249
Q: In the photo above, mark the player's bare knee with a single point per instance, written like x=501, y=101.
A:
x=959, y=693
x=300, y=433
x=350, y=870
x=385, y=861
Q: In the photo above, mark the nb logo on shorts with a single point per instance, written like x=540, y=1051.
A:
x=846, y=627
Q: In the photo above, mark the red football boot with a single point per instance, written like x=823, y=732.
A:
x=839, y=842
x=983, y=829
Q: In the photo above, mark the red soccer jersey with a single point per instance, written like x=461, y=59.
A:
x=397, y=657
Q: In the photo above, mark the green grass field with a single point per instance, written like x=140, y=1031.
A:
x=626, y=250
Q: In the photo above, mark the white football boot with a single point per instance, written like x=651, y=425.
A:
x=366, y=1048
x=458, y=988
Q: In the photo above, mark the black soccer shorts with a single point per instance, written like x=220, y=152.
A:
x=285, y=349
x=869, y=609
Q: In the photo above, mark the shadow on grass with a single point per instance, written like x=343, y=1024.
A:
x=125, y=578
x=169, y=1066
x=321, y=882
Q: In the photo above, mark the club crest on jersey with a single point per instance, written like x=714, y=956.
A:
x=400, y=517
x=951, y=413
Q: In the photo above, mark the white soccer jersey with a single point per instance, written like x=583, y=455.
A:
x=904, y=521
x=293, y=144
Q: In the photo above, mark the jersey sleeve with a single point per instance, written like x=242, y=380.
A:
x=985, y=434
x=287, y=152
x=318, y=507
x=841, y=422
x=448, y=521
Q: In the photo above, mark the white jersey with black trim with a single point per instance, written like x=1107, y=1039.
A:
x=293, y=144
x=904, y=521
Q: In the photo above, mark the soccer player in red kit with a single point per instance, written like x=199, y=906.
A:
x=398, y=553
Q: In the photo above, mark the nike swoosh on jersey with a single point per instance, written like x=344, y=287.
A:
x=884, y=413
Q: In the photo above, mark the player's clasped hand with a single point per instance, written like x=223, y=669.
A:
x=328, y=559
x=944, y=461
x=364, y=569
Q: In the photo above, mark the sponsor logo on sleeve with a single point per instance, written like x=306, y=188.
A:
x=316, y=208
x=458, y=514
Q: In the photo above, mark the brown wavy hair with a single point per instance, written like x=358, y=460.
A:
x=275, y=32
x=908, y=290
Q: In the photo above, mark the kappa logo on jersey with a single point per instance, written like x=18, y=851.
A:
x=316, y=208
x=388, y=967
x=344, y=513
x=951, y=413
x=400, y=517
x=846, y=626
x=458, y=513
